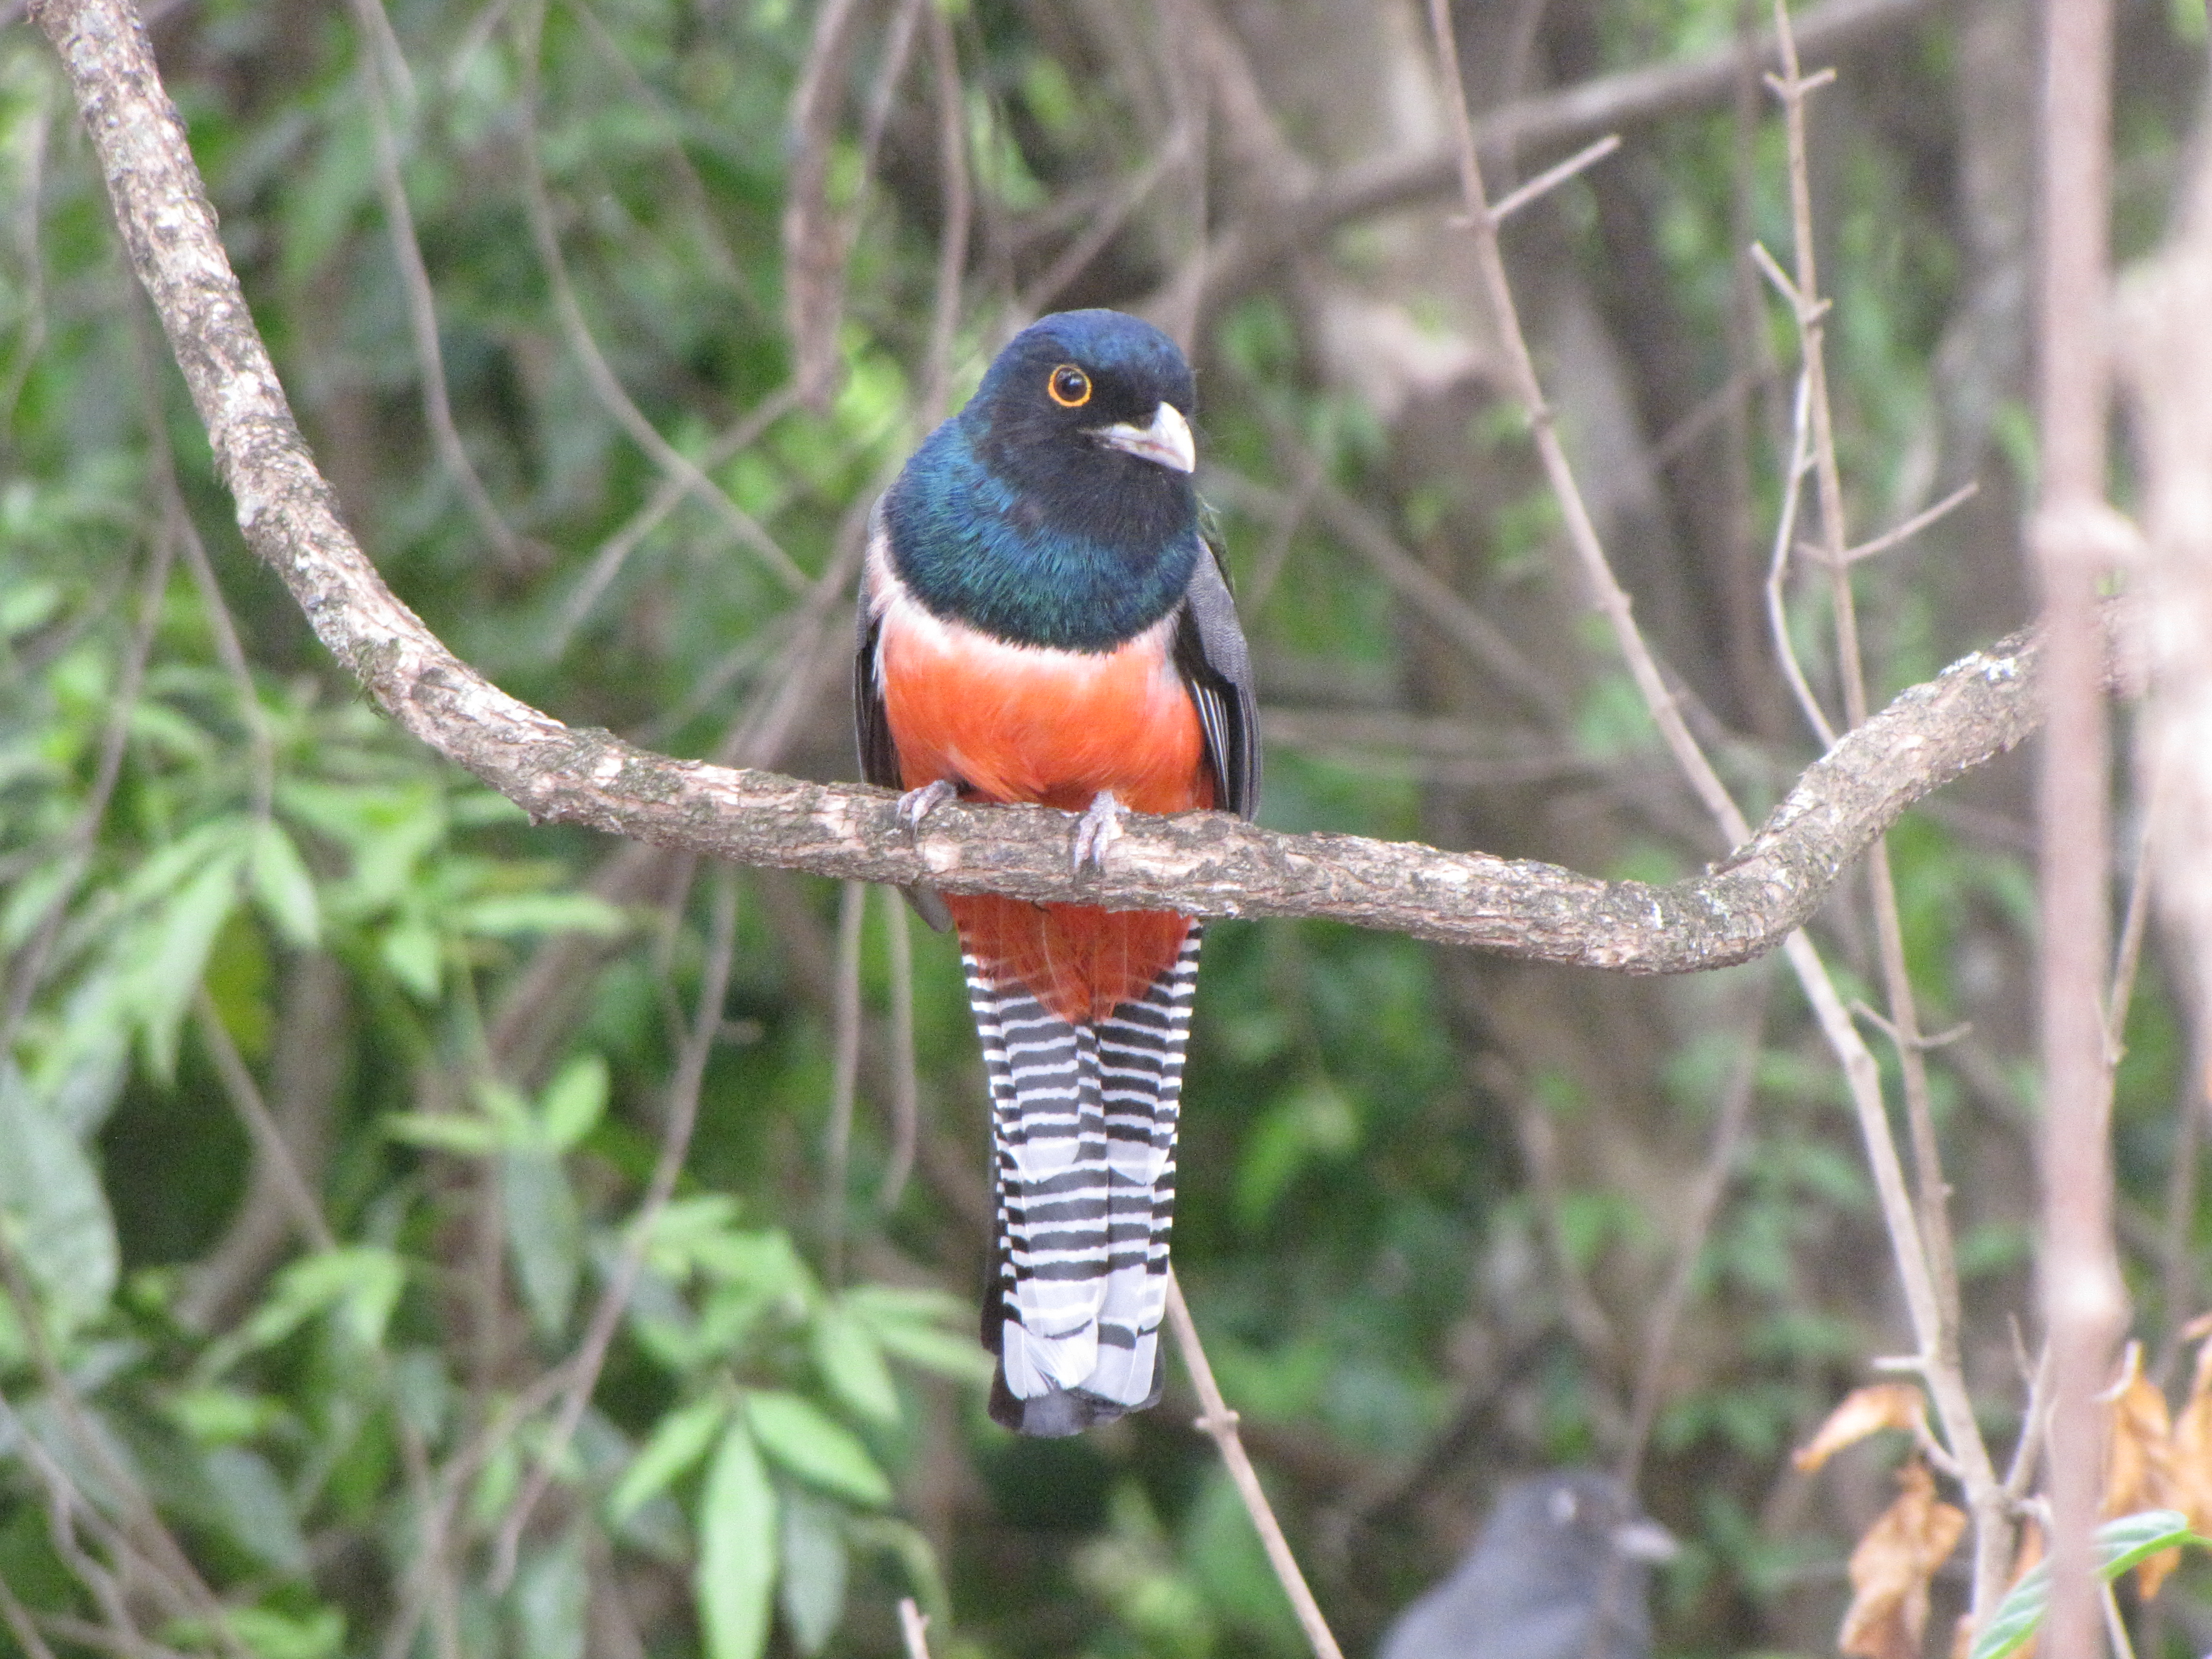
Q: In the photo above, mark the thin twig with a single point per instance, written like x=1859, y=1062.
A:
x=2127, y=956
x=1777, y=570
x=606, y=565
x=844, y=1074
x=913, y=1629
x=1704, y=1204
x=30, y=963
x=582, y=1371
x=177, y=524
x=20, y=1625
x=141, y=1530
x=421, y=302
x=959, y=216
x=1993, y=1520
x=1552, y=178
x=906, y=1082
x=605, y=385
x=1913, y=526
x=306, y=1212
x=1220, y=1423
x=815, y=236
x=1954, y=1406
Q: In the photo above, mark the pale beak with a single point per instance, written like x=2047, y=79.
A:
x=1166, y=442
x=1645, y=1539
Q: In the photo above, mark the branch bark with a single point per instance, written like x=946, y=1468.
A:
x=1205, y=864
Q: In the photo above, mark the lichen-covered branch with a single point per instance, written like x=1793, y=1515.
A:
x=1206, y=863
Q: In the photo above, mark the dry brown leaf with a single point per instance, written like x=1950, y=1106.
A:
x=2188, y=1459
x=2188, y=1466
x=2139, y=1470
x=1863, y=1411
x=1891, y=1566
x=2139, y=1465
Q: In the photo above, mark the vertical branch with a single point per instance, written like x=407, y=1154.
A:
x=2081, y=1293
x=1704, y=1204
x=959, y=216
x=814, y=234
x=591, y=1356
x=1220, y=1423
x=845, y=1072
x=1977, y=1475
x=906, y=1087
x=1947, y=1384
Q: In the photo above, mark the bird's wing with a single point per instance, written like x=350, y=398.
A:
x=872, y=725
x=879, y=762
x=1215, y=663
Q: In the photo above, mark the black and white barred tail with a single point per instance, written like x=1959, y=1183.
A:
x=1083, y=1120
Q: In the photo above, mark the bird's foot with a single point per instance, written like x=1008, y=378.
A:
x=1095, y=831
x=916, y=805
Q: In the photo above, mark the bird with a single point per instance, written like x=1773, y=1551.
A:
x=1041, y=619
x=1561, y=1571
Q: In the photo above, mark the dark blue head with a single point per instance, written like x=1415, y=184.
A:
x=1057, y=509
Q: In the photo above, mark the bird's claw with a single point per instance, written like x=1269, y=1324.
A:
x=1095, y=831
x=916, y=805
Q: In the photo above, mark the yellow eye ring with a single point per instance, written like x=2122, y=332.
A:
x=1068, y=387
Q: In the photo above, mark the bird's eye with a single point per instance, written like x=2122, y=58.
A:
x=1069, y=386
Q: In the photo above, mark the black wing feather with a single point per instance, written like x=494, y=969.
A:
x=1216, y=665
x=872, y=725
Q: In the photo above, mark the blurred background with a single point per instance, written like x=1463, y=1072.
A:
x=607, y=320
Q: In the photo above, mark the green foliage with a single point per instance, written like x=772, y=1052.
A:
x=218, y=866
x=2119, y=1546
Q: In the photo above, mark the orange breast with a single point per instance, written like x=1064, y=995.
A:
x=1014, y=724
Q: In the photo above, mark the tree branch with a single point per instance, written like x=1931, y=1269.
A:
x=1237, y=260
x=1205, y=864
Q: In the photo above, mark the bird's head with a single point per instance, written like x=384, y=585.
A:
x=1581, y=1513
x=1086, y=414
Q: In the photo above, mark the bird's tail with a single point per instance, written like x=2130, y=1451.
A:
x=1084, y=1125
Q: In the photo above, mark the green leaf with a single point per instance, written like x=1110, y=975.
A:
x=544, y=1234
x=52, y=1206
x=678, y=1440
x=255, y=1508
x=509, y=914
x=360, y=1282
x=574, y=1102
x=447, y=1132
x=411, y=950
x=816, y=1448
x=283, y=887
x=2120, y=1545
x=551, y=1597
x=737, y=1549
x=269, y=1634
x=851, y=1362
x=929, y=1349
x=171, y=957
x=815, y=1567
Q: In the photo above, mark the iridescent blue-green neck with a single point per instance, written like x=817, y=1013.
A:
x=1078, y=547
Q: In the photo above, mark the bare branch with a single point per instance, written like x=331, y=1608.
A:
x=1208, y=865
x=2083, y=1300
x=582, y=1374
x=1218, y=1422
x=1240, y=256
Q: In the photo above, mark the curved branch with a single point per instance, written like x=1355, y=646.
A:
x=1206, y=863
